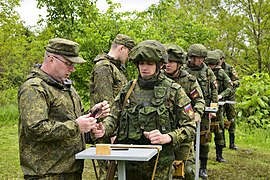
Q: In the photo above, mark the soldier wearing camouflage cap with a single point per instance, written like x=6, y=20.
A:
x=108, y=77
x=173, y=70
x=229, y=109
x=156, y=111
x=224, y=91
x=50, y=116
x=207, y=80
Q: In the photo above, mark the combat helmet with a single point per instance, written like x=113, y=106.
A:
x=220, y=52
x=175, y=53
x=149, y=50
x=197, y=50
x=213, y=58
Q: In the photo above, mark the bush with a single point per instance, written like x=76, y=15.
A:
x=253, y=100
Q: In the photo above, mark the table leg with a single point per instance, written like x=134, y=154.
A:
x=121, y=170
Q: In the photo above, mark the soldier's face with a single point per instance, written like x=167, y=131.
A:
x=147, y=68
x=171, y=67
x=61, y=68
x=197, y=61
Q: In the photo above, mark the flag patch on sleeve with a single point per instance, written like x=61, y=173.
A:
x=189, y=110
x=194, y=93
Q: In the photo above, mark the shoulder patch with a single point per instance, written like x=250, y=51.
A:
x=176, y=86
x=103, y=62
x=192, y=78
x=36, y=81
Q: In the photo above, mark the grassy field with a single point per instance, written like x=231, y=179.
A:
x=250, y=162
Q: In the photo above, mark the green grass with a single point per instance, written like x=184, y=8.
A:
x=250, y=162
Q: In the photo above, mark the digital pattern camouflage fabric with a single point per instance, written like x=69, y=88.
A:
x=224, y=89
x=107, y=79
x=229, y=109
x=66, y=48
x=208, y=84
x=193, y=90
x=49, y=138
x=162, y=107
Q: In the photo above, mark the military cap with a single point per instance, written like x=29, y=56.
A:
x=66, y=48
x=124, y=40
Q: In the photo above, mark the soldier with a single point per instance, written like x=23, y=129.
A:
x=177, y=57
x=157, y=111
x=224, y=91
x=107, y=78
x=207, y=80
x=50, y=121
x=229, y=109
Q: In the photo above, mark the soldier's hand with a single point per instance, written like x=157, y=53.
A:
x=220, y=97
x=212, y=115
x=104, y=109
x=99, y=130
x=157, y=138
x=86, y=123
x=197, y=117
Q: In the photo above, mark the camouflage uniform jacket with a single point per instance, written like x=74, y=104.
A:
x=165, y=107
x=233, y=75
x=107, y=79
x=224, y=82
x=49, y=138
x=207, y=80
x=192, y=89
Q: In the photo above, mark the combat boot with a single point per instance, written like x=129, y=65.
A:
x=219, y=154
x=232, y=145
x=203, y=172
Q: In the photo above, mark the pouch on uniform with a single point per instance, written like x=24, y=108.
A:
x=214, y=127
x=179, y=168
x=227, y=124
x=205, y=137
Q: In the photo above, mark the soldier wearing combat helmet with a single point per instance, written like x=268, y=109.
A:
x=224, y=91
x=229, y=109
x=177, y=58
x=50, y=116
x=207, y=80
x=157, y=111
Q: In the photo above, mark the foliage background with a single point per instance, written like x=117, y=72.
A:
x=240, y=28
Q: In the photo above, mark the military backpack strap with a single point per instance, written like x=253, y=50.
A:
x=128, y=93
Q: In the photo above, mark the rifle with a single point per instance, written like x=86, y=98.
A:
x=112, y=167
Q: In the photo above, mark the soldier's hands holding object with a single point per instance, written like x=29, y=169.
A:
x=86, y=123
x=99, y=130
x=157, y=138
x=104, y=109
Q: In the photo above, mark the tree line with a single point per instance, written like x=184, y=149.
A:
x=239, y=27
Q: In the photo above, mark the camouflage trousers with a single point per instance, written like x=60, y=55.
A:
x=229, y=111
x=63, y=176
x=219, y=135
x=204, y=147
x=185, y=153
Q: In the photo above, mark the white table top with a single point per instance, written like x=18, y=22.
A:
x=134, y=153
